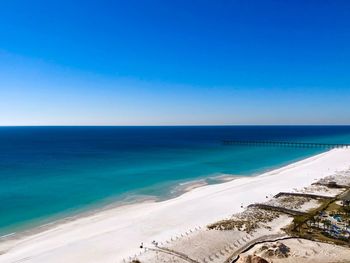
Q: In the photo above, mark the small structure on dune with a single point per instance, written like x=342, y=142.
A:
x=332, y=184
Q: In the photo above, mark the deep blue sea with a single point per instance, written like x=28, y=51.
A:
x=48, y=173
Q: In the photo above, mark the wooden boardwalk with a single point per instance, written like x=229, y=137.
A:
x=287, y=144
x=277, y=209
x=313, y=196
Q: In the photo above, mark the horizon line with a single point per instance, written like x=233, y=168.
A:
x=174, y=125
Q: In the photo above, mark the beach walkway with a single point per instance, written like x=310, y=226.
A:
x=277, y=209
x=313, y=196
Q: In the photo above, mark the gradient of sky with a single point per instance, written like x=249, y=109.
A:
x=162, y=62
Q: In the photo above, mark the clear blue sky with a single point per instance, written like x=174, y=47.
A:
x=150, y=62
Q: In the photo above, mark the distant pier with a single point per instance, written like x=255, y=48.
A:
x=286, y=144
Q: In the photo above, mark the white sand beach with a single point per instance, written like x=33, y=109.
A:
x=114, y=234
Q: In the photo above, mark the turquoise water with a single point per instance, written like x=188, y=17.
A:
x=52, y=172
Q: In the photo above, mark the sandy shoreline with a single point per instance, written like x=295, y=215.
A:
x=113, y=234
x=177, y=191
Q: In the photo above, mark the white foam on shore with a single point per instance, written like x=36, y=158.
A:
x=8, y=235
x=113, y=234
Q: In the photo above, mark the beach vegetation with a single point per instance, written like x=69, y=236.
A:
x=247, y=221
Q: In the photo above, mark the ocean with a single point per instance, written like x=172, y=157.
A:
x=48, y=173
